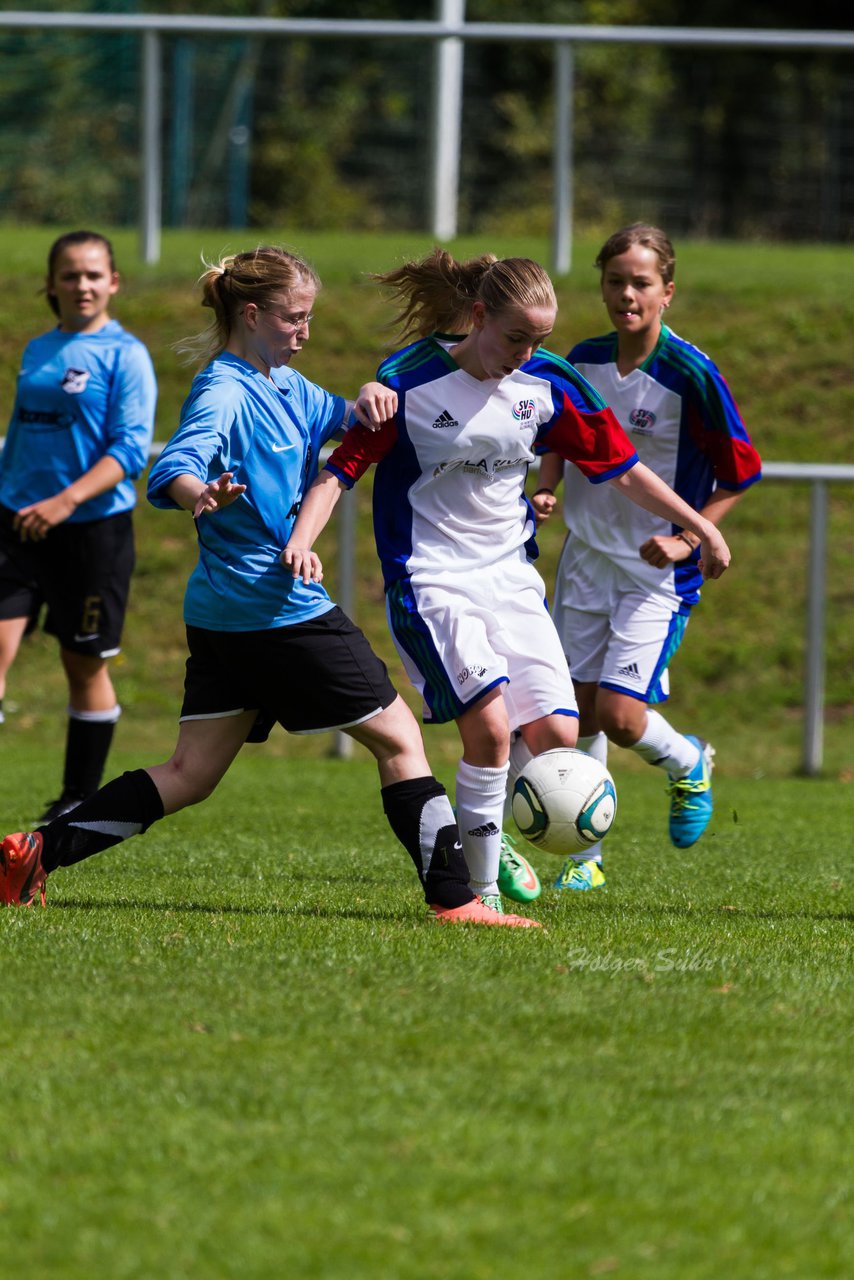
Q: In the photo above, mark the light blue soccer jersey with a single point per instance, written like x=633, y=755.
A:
x=268, y=432
x=79, y=397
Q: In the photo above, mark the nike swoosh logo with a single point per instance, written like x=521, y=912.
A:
x=280, y=448
x=83, y=639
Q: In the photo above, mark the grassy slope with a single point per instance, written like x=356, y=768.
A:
x=776, y=318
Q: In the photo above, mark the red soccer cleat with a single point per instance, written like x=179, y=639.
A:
x=22, y=875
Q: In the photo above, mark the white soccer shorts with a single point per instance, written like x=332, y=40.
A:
x=614, y=632
x=460, y=636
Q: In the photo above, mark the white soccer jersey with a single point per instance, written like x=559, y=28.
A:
x=685, y=425
x=449, y=490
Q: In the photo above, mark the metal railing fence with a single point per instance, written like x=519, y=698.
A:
x=448, y=33
x=818, y=474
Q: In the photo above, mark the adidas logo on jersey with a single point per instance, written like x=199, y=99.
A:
x=630, y=671
x=445, y=419
x=488, y=829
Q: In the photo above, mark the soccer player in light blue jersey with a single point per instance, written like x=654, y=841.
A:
x=79, y=435
x=628, y=580
x=265, y=646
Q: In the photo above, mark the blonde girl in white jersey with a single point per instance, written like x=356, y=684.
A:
x=466, y=606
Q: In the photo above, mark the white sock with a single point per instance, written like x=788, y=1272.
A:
x=662, y=746
x=596, y=745
x=480, y=806
x=96, y=717
x=519, y=757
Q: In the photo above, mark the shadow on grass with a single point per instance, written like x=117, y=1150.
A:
x=307, y=911
x=324, y=912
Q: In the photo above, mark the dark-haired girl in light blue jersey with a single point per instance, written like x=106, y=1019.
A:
x=79, y=436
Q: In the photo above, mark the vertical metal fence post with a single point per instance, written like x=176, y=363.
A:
x=150, y=178
x=562, y=159
x=814, y=656
x=447, y=118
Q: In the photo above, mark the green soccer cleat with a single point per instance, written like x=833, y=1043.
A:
x=691, y=802
x=517, y=879
x=580, y=876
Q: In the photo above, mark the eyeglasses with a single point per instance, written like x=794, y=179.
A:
x=290, y=323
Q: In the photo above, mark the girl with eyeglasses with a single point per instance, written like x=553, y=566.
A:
x=264, y=646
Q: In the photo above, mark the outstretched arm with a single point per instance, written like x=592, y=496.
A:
x=191, y=493
x=317, y=506
x=649, y=491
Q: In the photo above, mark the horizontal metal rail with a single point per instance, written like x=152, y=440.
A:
x=336, y=28
x=818, y=474
x=448, y=33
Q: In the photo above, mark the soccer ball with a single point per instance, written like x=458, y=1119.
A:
x=564, y=801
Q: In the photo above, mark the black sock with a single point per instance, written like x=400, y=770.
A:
x=125, y=807
x=420, y=815
x=87, y=745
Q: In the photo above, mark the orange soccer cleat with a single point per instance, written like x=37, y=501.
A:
x=477, y=912
x=22, y=875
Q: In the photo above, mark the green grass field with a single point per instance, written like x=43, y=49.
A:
x=234, y=1047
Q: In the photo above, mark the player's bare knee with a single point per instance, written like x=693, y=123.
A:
x=186, y=783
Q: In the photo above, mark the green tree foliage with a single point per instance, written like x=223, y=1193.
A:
x=335, y=132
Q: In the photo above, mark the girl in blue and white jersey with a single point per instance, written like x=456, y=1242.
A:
x=628, y=579
x=454, y=531
x=79, y=435
x=265, y=647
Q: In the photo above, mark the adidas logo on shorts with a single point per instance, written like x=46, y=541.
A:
x=445, y=419
x=630, y=671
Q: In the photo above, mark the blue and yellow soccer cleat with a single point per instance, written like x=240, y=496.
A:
x=691, y=802
x=517, y=879
x=580, y=876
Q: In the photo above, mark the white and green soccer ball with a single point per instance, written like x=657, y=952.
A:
x=564, y=801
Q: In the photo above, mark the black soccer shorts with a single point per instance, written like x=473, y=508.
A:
x=310, y=677
x=81, y=571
